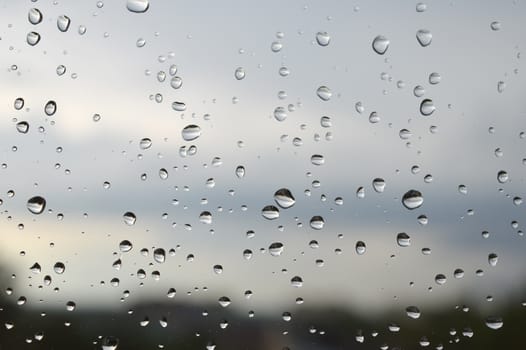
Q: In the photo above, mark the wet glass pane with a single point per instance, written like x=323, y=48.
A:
x=262, y=175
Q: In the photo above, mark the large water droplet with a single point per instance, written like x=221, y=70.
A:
x=129, y=218
x=502, y=176
x=137, y=6
x=412, y=312
x=224, y=301
x=191, y=132
x=424, y=37
x=284, y=198
x=159, y=255
x=412, y=199
x=34, y=16
x=296, y=281
x=493, y=259
x=495, y=25
x=440, y=279
x=125, y=246
x=317, y=159
x=403, y=239
x=19, y=103
x=50, y=108
x=427, y=107
x=323, y=38
x=494, y=322
x=379, y=185
x=22, y=127
x=59, y=268
x=145, y=143
x=360, y=247
x=33, y=38
x=275, y=249
x=205, y=217
x=240, y=171
x=109, y=343
x=280, y=113
x=176, y=82
x=324, y=93
x=239, y=73
x=380, y=44
x=36, y=205
x=63, y=23
x=317, y=222
x=270, y=212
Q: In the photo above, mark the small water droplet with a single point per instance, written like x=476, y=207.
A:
x=502, y=177
x=379, y=185
x=59, y=268
x=159, y=255
x=280, y=113
x=440, y=279
x=224, y=301
x=109, y=343
x=145, y=143
x=501, y=86
x=296, y=281
x=240, y=171
x=36, y=205
x=421, y=7
x=380, y=44
x=137, y=6
x=125, y=246
x=317, y=159
x=493, y=259
x=494, y=322
x=495, y=26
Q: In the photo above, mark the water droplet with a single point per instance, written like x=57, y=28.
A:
x=374, y=118
x=70, y=306
x=284, y=198
x=379, y=185
x=36, y=205
x=276, y=46
x=493, y=259
x=176, y=82
x=434, y=78
x=323, y=38
x=163, y=174
x=317, y=159
x=145, y=143
x=280, y=113
x=33, y=38
x=61, y=69
x=275, y=249
x=240, y=171
x=270, y=212
x=501, y=86
x=191, y=132
x=494, y=322
x=59, y=268
x=296, y=281
x=403, y=239
x=495, y=25
x=35, y=268
x=63, y=23
x=239, y=73
x=317, y=222
x=125, y=246
x=19, y=103
x=458, y=273
x=34, y=16
x=380, y=44
x=324, y=93
x=427, y=107
x=412, y=199
x=129, y=218
x=159, y=255
x=205, y=217
x=360, y=247
x=502, y=177
x=50, y=108
x=109, y=343
x=224, y=301
x=421, y=7
x=218, y=269
x=137, y=6
x=424, y=37
x=179, y=106
x=440, y=279
x=412, y=312
x=22, y=127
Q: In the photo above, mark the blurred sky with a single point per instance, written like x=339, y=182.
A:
x=106, y=73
